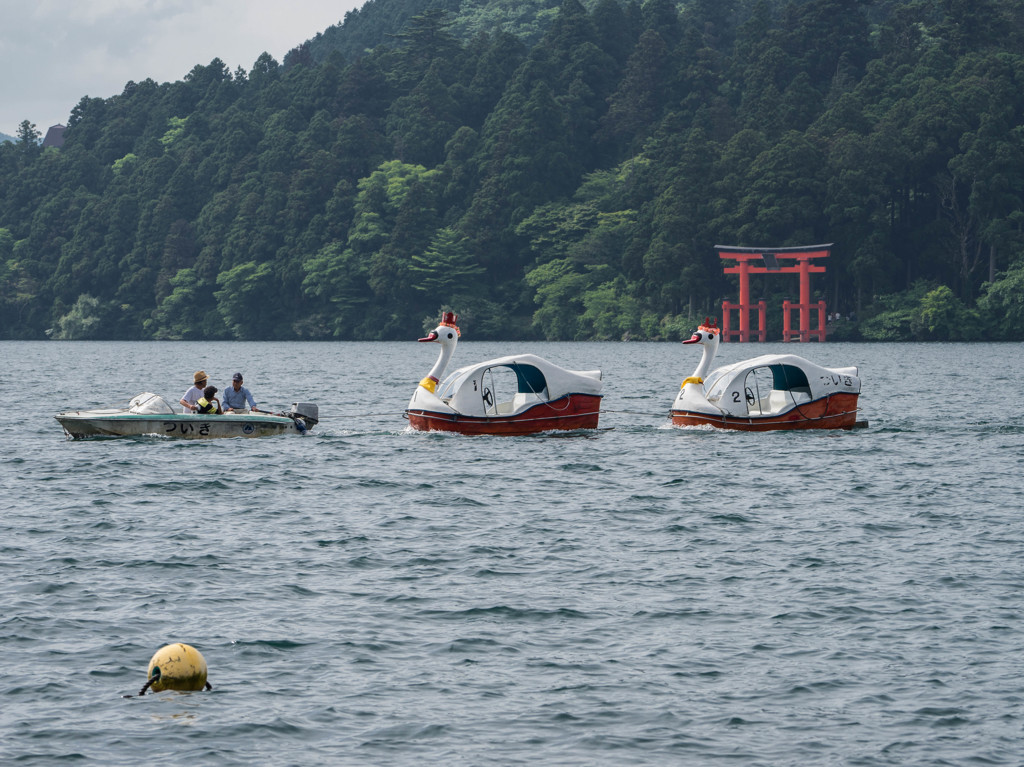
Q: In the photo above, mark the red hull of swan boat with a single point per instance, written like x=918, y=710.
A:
x=573, y=411
x=836, y=411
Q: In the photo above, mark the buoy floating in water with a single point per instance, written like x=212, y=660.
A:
x=176, y=667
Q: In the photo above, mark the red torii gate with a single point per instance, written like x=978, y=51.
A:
x=770, y=258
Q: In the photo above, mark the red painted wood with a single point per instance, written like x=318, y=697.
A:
x=836, y=411
x=574, y=411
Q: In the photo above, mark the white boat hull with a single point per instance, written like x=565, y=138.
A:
x=85, y=424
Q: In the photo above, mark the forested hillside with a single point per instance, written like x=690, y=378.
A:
x=563, y=175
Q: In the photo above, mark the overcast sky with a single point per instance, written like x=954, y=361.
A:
x=54, y=52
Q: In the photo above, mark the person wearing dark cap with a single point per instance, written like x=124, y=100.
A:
x=191, y=397
x=236, y=397
x=209, y=404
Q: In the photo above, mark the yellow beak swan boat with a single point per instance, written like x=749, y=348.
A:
x=519, y=394
x=770, y=392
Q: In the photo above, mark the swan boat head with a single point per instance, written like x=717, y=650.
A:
x=707, y=335
x=447, y=335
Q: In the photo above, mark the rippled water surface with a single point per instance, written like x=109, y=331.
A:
x=638, y=595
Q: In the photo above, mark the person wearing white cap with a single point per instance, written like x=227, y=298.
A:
x=236, y=396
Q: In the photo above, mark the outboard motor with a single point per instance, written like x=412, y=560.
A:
x=306, y=415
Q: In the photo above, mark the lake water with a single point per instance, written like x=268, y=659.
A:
x=638, y=595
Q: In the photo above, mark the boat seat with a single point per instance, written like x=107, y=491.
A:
x=518, y=402
x=524, y=398
x=781, y=399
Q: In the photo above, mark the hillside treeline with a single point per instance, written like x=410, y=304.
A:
x=570, y=183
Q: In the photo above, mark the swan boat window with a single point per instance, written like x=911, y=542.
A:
x=765, y=388
x=502, y=388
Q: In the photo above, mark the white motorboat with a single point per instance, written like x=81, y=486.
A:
x=151, y=414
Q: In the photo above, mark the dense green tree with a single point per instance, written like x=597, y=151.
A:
x=188, y=312
x=1002, y=304
x=423, y=44
x=447, y=267
x=662, y=17
x=241, y=301
x=28, y=138
x=969, y=25
x=420, y=124
x=561, y=289
x=784, y=194
x=612, y=313
x=498, y=59
x=641, y=96
x=82, y=322
x=615, y=30
x=337, y=281
x=941, y=316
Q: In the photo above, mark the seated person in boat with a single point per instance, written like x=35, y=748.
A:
x=209, y=404
x=189, y=398
x=236, y=397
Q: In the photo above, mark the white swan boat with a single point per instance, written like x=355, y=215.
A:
x=770, y=392
x=518, y=394
x=151, y=414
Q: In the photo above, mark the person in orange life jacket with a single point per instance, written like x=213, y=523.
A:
x=208, y=404
x=189, y=399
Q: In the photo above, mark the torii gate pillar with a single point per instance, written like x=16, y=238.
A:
x=769, y=258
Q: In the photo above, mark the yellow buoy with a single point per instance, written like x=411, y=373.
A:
x=177, y=667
